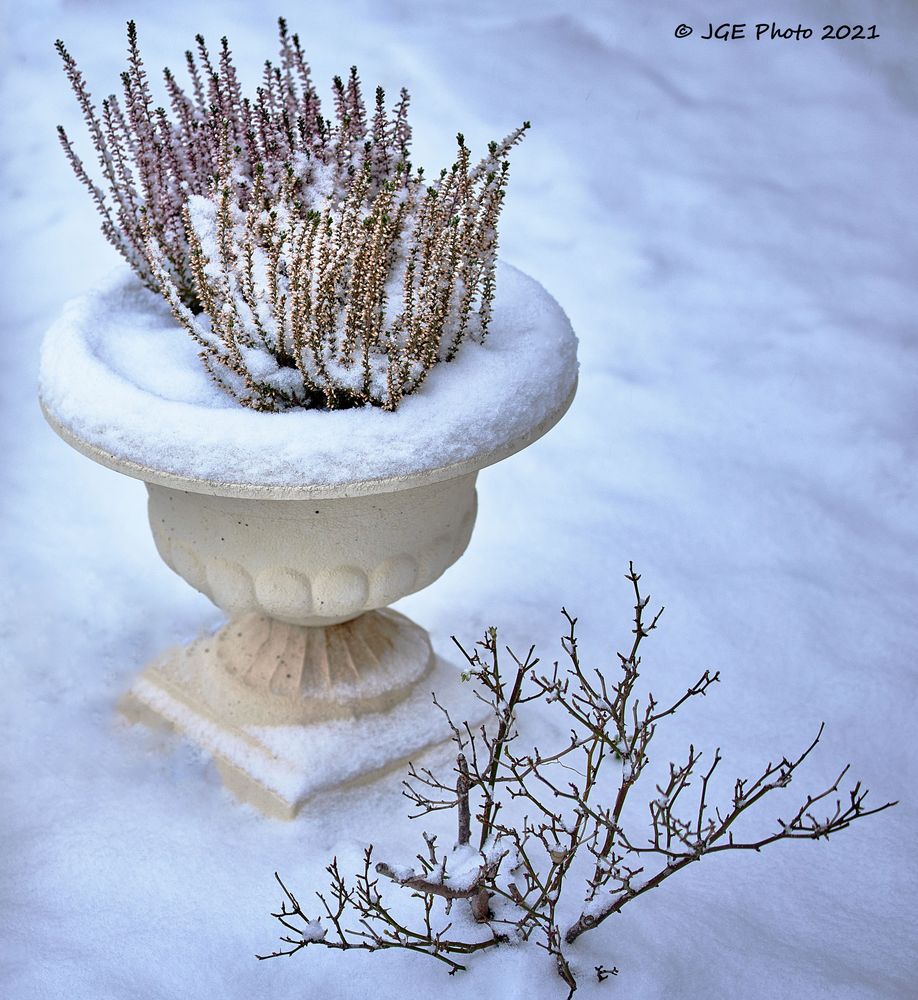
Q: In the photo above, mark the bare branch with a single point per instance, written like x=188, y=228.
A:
x=538, y=810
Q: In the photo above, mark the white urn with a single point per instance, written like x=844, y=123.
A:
x=313, y=681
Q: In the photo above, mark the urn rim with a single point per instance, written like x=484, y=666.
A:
x=301, y=491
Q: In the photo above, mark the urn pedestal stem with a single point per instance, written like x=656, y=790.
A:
x=288, y=711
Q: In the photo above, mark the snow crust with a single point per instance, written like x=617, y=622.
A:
x=119, y=373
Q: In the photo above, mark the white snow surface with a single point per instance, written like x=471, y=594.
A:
x=731, y=227
x=119, y=373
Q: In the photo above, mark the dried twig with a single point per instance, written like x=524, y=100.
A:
x=539, y=811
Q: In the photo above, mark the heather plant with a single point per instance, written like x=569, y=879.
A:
x=547, y=843
x=308, y=259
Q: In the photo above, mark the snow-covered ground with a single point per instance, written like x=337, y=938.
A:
x=731, y=229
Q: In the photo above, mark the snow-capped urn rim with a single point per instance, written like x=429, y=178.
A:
x=254, y=491
x=101, y=391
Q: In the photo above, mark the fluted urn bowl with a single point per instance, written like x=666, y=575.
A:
x=303, y=527
x=315, y=561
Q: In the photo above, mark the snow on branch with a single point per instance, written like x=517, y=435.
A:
x=543, y=850
x=312, y=264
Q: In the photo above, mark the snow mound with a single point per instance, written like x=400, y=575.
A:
x=119, y=375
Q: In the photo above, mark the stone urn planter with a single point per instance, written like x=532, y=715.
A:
x=303, y=528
